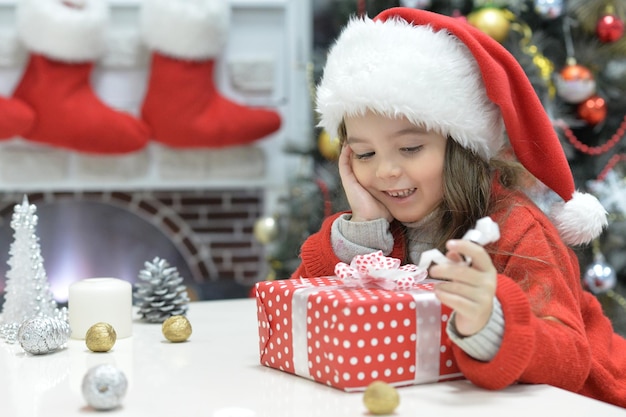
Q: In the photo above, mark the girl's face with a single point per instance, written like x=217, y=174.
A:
x=399, y=163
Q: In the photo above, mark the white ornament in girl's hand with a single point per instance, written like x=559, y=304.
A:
x=485, y=231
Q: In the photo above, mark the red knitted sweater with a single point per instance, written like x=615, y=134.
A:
x=555, y=332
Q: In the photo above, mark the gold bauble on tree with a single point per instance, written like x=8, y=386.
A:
x=491, y=20
x=100, y=337
x=176, y=329
x=265, y=229
x=328, y=146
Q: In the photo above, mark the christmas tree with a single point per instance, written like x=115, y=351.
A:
x=27, y=292
x=574, y=53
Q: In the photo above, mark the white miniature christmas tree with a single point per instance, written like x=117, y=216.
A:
x=27, y=292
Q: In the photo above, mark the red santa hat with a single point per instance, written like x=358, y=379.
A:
x=441, y=73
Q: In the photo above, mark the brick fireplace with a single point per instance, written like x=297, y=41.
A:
x=209, y=231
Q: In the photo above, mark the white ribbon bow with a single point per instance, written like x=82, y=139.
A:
x=379, y=270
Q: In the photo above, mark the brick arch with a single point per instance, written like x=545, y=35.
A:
x=144, y=206
x=166, y=219
x=212, y=249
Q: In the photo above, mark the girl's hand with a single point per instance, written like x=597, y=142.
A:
x=467, y=289
x=363, y=205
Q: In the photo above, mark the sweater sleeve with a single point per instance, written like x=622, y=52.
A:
x=485, y=344
x=350, y=239
x=317, y=256
x=544, y=337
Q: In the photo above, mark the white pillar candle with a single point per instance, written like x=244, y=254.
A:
x=94, y=300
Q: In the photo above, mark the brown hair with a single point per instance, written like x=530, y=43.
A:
x=467, y=182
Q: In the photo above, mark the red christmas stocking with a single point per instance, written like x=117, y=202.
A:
x=16, y=118
x=64, y=39
x=182, y=106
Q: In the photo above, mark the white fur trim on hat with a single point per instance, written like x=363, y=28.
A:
x=397, y=69
x=579, y=220
x=61, y=32
x=186, y=29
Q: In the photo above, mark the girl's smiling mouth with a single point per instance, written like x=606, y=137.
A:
x=401, y=193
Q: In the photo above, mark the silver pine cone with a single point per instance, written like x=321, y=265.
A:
x=160, y=293
x=42, y=335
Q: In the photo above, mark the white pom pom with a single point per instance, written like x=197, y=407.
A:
x=579, y=220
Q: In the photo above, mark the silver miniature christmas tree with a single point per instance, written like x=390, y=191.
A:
x=161, y=294
x=27, y=292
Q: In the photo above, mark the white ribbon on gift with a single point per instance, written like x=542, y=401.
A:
x=428, y=333
x=299, y=348
x=299, y=339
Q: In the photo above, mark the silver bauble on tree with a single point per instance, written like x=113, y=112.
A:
x=549, y=9
x=599, y=277
x=416, y=4
x=161, y=292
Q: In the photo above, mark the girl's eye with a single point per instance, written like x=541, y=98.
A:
x=412, y=149
x=363, y=155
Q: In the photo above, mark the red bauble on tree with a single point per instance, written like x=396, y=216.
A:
x=610, y=28
x=593, y=110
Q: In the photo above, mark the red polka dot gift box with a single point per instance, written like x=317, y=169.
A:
x=347, y=336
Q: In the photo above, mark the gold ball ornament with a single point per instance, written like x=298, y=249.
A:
x=265, y=230
x=176, y=329
x=100, y=337
x=329, y=147
x=381, y=398
x=493, y=21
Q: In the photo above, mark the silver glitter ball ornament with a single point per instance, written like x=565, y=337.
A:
x=600, y=276
x=41, y=335
x=416, y=4
x=549, y=9
x=104, y=387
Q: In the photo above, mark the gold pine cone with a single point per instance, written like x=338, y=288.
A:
x=381, y=398
x=100, y=337
x=176, y=329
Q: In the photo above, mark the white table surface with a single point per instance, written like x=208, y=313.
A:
x=217, y=373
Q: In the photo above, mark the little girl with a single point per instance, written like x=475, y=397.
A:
x=421, y=102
